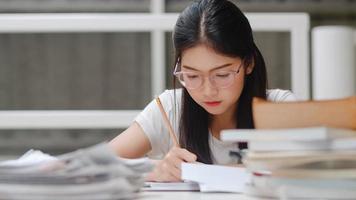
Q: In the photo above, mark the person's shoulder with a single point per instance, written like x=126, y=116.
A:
x=170, y=94
x=280, y=95
x=170, y=97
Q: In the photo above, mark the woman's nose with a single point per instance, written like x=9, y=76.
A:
x=209, y=88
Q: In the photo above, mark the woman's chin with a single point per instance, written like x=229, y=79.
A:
x=214, y=111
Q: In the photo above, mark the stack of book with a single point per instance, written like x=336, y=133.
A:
x=91, y=174
x=316, y=162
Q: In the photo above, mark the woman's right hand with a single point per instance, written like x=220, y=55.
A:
x=169, y=169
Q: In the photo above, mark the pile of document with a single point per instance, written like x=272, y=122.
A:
x=316, y=162
x=89, y=174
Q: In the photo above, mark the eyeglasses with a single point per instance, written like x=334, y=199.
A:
x=194, y=80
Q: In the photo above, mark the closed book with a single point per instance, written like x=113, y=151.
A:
x=279, y=160
x=299, y=188
x=333, y=144
x=289, y=134
x=339, y=113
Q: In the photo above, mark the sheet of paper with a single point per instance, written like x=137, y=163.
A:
x=31, y=157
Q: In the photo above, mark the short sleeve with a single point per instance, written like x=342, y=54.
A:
x=151, y=121
x=279, y=95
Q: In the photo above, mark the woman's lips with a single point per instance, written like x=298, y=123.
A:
x=212, y=103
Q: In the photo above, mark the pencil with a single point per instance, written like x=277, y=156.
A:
x=166, y=121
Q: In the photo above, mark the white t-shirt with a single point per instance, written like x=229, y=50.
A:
x=151, y=121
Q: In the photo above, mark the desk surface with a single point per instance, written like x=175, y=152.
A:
x=182, y=195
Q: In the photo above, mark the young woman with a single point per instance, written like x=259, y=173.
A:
x=220, y=69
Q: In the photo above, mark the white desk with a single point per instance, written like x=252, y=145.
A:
x=154, y=195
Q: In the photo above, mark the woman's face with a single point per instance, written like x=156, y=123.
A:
x=203, y=60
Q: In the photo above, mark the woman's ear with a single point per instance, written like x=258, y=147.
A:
x=250, y=67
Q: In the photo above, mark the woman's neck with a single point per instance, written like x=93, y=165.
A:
x=226, y=120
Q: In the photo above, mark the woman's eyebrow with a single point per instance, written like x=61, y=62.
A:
x=191, y=68
x=215, y=68
x=221, y=66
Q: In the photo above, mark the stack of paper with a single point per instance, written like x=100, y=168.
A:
x=90, y=174
x=315, y=162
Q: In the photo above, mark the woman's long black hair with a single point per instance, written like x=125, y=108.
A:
x=222, y=26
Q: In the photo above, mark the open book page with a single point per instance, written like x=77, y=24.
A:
x=215, y=178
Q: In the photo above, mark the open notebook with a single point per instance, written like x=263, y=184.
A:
x=205, y=178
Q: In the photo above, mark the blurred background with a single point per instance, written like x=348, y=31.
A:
x=112, y=71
